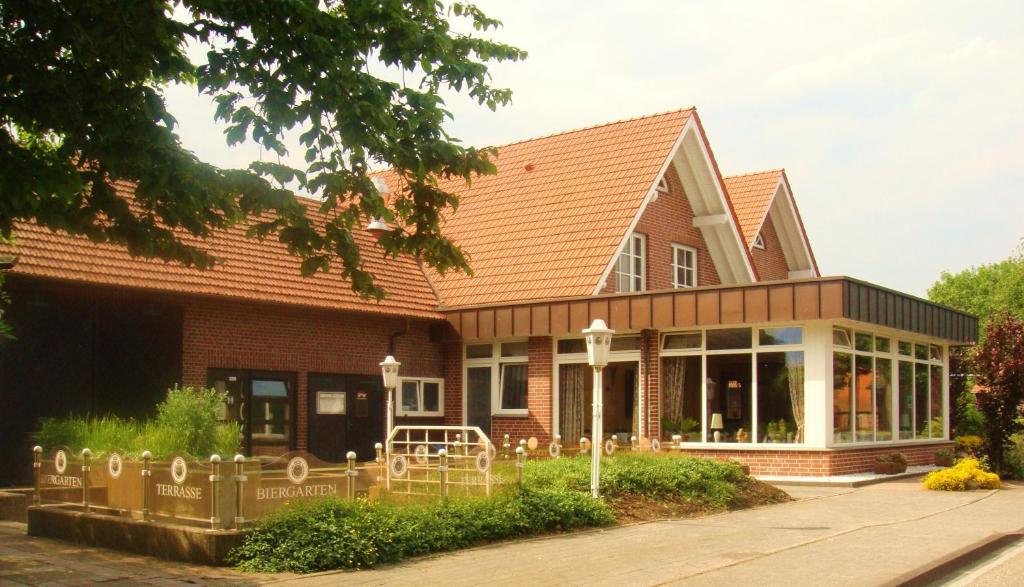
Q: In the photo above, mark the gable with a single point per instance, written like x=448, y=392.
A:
x=771, y=260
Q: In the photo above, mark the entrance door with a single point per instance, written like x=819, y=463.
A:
x=346, y=412
x=478, y=398
x=264, y=402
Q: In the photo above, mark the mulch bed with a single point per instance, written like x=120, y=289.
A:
x=640, y=508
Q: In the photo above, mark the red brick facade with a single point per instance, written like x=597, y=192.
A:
x=539, y=398
x=232, y=335
x=819, y=463
x=667, y=221
x=770, y=261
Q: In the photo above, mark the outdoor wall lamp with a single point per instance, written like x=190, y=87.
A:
x=389, y=369
x=599, y=343
x=377, y=228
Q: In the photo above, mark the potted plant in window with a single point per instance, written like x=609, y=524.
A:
x=944, y=457
x=890, y=464
x=687, y=427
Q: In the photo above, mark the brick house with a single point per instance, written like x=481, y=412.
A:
x=726, y=334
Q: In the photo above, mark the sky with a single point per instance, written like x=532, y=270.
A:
x=900, y=124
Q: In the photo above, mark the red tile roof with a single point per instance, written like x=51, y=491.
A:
x=550, y=221
x=751, y=195
x=251, y=270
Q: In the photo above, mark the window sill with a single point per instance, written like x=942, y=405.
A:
x=511, y=414
x=401, y=414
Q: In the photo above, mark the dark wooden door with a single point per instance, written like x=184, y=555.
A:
x=264, y=403
x=346, y=412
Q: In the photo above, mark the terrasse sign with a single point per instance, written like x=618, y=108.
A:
x=179, y=491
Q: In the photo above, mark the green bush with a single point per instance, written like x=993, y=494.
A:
x=186, y=422
x=701, y=481
x=1013, y=458
x=331, y=533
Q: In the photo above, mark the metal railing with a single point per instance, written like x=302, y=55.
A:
x=437, y=460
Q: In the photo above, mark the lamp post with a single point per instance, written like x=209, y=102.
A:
x=599, y=342
x=389, y=368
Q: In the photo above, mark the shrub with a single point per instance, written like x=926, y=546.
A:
x=702, y=481
x=892, y=457
x=331, y=533
x=965, y=474
x=186, y=422
x=1013, y=459
x=969, y=444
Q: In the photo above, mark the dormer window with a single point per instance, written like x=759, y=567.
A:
x=662, y=185
x=759, y=242
x=630, y=274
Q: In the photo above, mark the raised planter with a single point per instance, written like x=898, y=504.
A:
x=886, y=468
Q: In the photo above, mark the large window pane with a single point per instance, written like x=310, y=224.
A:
x=729, y=397
x=864, y=399
x=921, y=400
x=478, y=397
x=883, y=399
x=780, y=397
x=937, y=422
x=513, y=387
x=774, y=336
x=906, y=402
x=842, y=397
x=729, y=338
x=271, y=411
x=431, y=396
x=410, y=396
x=680, y=392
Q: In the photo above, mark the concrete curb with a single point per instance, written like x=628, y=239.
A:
x=947, y=565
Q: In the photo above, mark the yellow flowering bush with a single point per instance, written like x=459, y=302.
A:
x=969, y=444
x=965, y=474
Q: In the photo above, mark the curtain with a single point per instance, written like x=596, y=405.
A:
x=674, y=378
x=571, y=385
x=796, y=396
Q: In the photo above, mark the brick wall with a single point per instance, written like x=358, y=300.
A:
x=649, y=369
x=818, y=463
x=539, y=396
x=770, y=261
x=666, y=221
x=232, y=335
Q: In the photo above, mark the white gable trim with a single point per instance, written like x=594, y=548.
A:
x=707, y=198
x=795, y=248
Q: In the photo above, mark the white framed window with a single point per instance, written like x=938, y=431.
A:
x=508, y=365
x=684, y=266
x=420, y=396
x=630, y=272
x=759, y=242
x=662, y=185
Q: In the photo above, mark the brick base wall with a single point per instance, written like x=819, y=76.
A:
x=818, y=463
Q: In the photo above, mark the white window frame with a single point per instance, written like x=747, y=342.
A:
x=663, y=185
x=676, y=249
x=636, y=241
x=495, y=362
x=419, y=397
x=759, y=242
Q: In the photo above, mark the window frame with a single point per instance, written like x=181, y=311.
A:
x=662, y=185
x=759, y=242
x=676, y=249
x=494, y=362
x=635, y=240
x=400, y=411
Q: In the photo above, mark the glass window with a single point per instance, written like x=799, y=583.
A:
x=572, y=345
x=864, y=398
x=883, y=399
x=882, y=345
x=936, y=352
x=921, y=400
x=937, y=425
x=629, y=275
x=729, y=397
x=775, y=336
x=431, y=396
x=906, y=400
x=681, y=392
x=513, y=349
x=478, y=397
x=264, y=388
x=841, y=337
x=629, y=342
x=921, y=351
x=842, y=397
x=864, y=342
x=729, y=338
x=683, y=340
x=684, y=266
x=905, y=348
x=479, y=351
x=410, y=396
x=513, y=386
x=780, y=397
x=271, y=410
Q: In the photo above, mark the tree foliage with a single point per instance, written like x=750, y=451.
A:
x=82, y=107
x=999, y=364
x=985, y=290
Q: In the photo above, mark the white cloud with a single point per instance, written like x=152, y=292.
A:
x=899, y=123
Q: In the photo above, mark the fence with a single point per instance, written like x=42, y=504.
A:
x=436, y=460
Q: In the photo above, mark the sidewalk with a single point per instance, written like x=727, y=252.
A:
x=866, y=536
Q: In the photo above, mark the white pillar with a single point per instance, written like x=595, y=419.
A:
x=817, y=384
x=597, y=433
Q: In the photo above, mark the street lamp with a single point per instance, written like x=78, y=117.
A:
x=599, y=342
x=389, y=368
